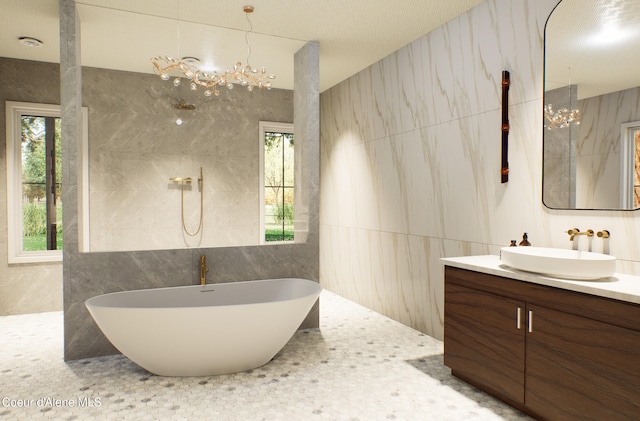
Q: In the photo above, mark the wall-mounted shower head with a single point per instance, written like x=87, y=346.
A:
x=184, y=105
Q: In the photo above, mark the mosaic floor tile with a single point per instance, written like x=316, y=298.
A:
x=359, y=365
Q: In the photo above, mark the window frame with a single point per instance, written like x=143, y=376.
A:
x=264, y=127
x=14, y=112
x=627, y=165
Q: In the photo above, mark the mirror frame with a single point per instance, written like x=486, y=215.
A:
x=625, y=161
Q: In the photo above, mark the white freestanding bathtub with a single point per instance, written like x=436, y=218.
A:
x=204, y=330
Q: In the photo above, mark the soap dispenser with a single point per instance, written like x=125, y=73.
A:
x=525, y=240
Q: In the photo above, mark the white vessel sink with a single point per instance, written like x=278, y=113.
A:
x=560, y=263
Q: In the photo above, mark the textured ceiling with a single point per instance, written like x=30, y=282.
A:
x=124, y=34
x=353, y=34
x=593, y=44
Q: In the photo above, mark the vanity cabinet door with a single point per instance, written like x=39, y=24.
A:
x=581, y=369
x=484, y=345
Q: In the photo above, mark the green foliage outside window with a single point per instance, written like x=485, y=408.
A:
x=34, y=179
x=278, y=183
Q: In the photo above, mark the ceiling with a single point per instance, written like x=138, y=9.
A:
x=593, y=44
x=125, y=34
x=353, y=34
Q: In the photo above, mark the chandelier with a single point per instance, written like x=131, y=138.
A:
x=561, y=118
x=245, y=75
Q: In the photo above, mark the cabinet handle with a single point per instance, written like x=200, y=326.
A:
x=530, y=322
x=519, y=318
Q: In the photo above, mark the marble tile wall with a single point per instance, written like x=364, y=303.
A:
x=559, y=185
x=410, y=164
x=307, y=129
x=35, y=287
x=90, y=274
x=136, y=146
x=599, y=146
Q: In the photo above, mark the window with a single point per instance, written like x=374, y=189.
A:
x=34, y=174
x=276, y=170
x=630, y=165
x=636, y=169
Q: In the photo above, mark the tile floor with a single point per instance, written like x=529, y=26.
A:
x=359, y=365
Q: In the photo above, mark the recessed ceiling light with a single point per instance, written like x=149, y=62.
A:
x=30, y=42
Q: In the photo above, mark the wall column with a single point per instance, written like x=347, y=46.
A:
x=306, y=100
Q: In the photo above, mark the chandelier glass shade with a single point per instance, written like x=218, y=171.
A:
x=561, y=118
x=168, y=68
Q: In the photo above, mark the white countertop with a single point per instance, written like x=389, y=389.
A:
x=619, y=286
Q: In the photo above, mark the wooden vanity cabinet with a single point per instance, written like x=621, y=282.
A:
x=563, y=356
x=482, y=342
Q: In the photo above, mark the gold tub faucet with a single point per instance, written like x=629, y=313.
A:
x=203, y=269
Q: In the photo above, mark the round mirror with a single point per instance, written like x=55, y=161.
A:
x=592, y=106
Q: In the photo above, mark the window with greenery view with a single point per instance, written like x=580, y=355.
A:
x=278, y=162
x=630, y=165
x=34, y=174
x=636, y=172
x=41, y=183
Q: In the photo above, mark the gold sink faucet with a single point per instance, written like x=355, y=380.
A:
x=576, y=231
x=203, y=269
